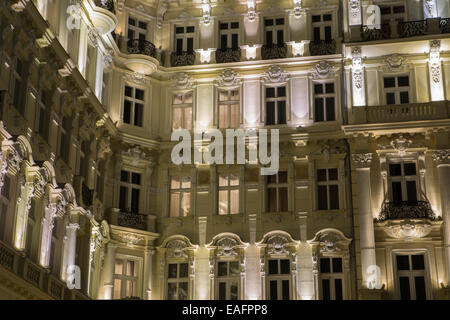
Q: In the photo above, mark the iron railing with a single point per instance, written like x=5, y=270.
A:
x=406, y=210
x=228, y=55
x=322, y=47
x=182, y=58
x=274, y=51
x=132, y=220
x=139, y=46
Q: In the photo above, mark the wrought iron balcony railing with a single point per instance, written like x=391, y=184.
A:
x=132, y=220
x=274, y=51
x=182, y=58
x=322, y=47
x=228, y=55
x=106, y=4
x=406, y=210
x=138, y=46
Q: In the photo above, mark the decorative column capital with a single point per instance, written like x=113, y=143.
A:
x=362, y=160
x=73, y=226
x=442, y=157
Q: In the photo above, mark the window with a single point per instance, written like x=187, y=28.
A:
x=229, y=35
x=30, y=226
x=177, y=281
x=182, y=111
x=279, y=279
x=275, y=105
x=397, y=89
x=331, y=278
x=82, y=166
x=19, y=79
x=184, y=39
x=274, y=30
x=137, y=29
x=322, y=27
x=277, y=192
x=5, y=198
x=228, y=194
x=324, y=102
x=125, y=278
x=327, y=189
x=393, y=12
x=42, y=121
x=403, y=182
x=180, y=196
x=55, y=245
x=130, y=189
x=65, y=139
x=229, y=109
x=228, y=277
x=411, y=276
x=133, y=108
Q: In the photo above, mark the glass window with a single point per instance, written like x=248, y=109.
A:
x=277, y=192
x=228, y=194
x=327, y=189
x=180, y=196
x=133, y=107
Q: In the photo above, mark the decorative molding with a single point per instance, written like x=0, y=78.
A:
x=251, y=8
x=357, y=67
x=323, y=70
x=435, y=61
x=442, y=157
x=229, y=78
x=137, y=77
x=161, y=11
x=275, y=74
x=277, y=244
x=331, y=240
x=297, y=8
x=137, y=155
x=227, y=247
x=395, y=63
x=355, y=7
x=363, y=160
x=176, y=249
x=183, y=81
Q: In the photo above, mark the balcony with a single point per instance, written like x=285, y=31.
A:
x=104, y=16
x=182, y=58
x=274, y=51
x=228, y=55
x=138, y=46
x=322, y=47
x=106, y=4
x=402, y=112
x=127, y=219
x=408, y=219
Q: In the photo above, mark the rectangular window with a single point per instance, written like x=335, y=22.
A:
x=180, y=196
x=274, y=31
x=327, y=189
x=331, y=278
x=279, y=279
x=129, y=192
x=277, y=192
x=19, y=93
x=229, y=35
x=177, y=281
x=397, y=89
x=228, y=278
x=182, y=111
x=322, y=27
x=4, y=207
x=228, y=194
x=184, y=39
x=137, y=29
x=65, y=139
x=324, y=102
x=403, y=182
x=125, y=278
x=43, y=107
x=411, y=275
x=276, y=98
x=133, y=107
x=228, y=112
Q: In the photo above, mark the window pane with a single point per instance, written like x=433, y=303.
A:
x=190, y=29
x=182, y=291
x=223, y=180
x=222, y=269
x=138, y=114
x=285, y=266
x=131, y=270
x=223, y=202
x=402, y=262
x=403, y=81
x=186, y=183
x=279, y=22
x=234, y=291
x=395, y=170
x=329, y=88
x=177, y=119
x=222, y=290
x=142, y=25
x=280, y=37
x=135, y=200
x=123, y=198
x=188, y=118
x=405, y=293
x=188, y=98
x=234, y=201
x=273, y=290
x=285, y=289
x=273, y=266
x=136, y=178
x=404, y=97
x=184, y=267
x=322, y=199
x=418, y=262
x=334, y=197
x=318, y=88
x=419, y=283
x=173, y=270
x=318, y=110
x=174, y=204
x=119, y=267
x=337, y=265
x=321, y=175
x=327, y=17
x=130, y=288
x=270, y=92
x=282, y=177
x=234, y=116
x=283, y=194
x=186, y=204
x=234, y=268
x=316, y=18
x=281, y=92
x=325, y=265
x=272, y=200
x=390, y=98
x=223, y=116
x=281, y=112
x=411, y=190
x=338, y=289
x=331, y=114
x=410, y=169
x=332, y=174
x=127, y=112
x=326, y=289
x=270, y=113
x=124, y=176
x=139, y=94
x=117, y=288
x=235, y=25
x=128, y=91
x=389, y=82
x=268, y=22
x=171, y=291
x=177, y=99
x=397, y=192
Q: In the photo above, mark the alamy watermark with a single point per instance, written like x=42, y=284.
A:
x=208, y=148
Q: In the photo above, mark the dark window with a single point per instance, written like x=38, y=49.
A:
x=273, y=266
x=405, y=292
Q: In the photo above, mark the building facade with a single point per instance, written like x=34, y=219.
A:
x=92, y=206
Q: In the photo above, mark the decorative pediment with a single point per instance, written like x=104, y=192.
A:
x=229, y=78
x=275, y=74
x=227, y=244
x=277, y=242
x=183, y=81
x=136, y=154
x=400, y=145
x=323, y=70
x=176, y=248
x=395, y=63
x=330, y=240
x=131, y=239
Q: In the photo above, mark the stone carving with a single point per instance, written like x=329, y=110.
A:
x=130, y=239
x=435, y=60
x=277, y=244
x=329, y=242
x=275, y=75
x=183, y=81
x=395, y=63
x=137, y=154
x=227, y=247
x=407, y=230
x=206, y=6
x=108, y=59
x=176, y=249
x=161, y=11
x=441, y=156
x=137, y=77
x=103, y=147
x=357, y=67
x=401, y=145
x=229, y=78
x=323, y=70
x=355, y=7
x=363, y=160
x=251, y=5
x=297, y=7
x=94, y=36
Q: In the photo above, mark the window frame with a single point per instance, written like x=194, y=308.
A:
x=276, y=100
x=182, y=106
x=332, y=276
x=136, y=29
x=229, y=33
x=328, y=183
x=178, y=279
x=6, y=201
x=124, y=278
x=277, y=186
x=133, y=101
x=403, y=179
x=322, y=25
x=182, y=191
x=184, y=36
x=130, y=187
x=228, y=103
x=279, y=277
x=397, y=90
x=274, y=29
x=228, y=279
x=324, y=96
x=21, y=106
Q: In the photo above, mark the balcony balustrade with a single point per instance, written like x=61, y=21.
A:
x=406, y=210
x=106, y=4
x=322, y=47
x=132, y=220
x=138, y=46
x=182, y=58
x=275, y=51
x=228, y=55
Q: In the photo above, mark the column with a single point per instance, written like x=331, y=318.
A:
x=22, y=207
x=366, y=230
x=3, y=169
x=442, y=159
x=252, y=264
x=47, y=229
x=435, y=70
x=70, y=245
x=148, y=273
x=108, y=271
x=305, y=282
x=358, y=84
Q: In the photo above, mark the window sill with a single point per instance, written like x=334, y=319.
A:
x=338, y=211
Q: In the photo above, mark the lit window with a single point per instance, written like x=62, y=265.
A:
x=125, y=278
x=228, y=194
x=180, y=196
x=324, y=102
x=228, y=278
x=397, y=89
x=130, y=188
x=182, y=111
x=229, y=109
x=177, y=281
x=403, y=182
x=327, y=189
x=411, y=276
x=331, y=278
x=277, y=192
x=279, y=279
x=275, y=105
x=133, y=107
